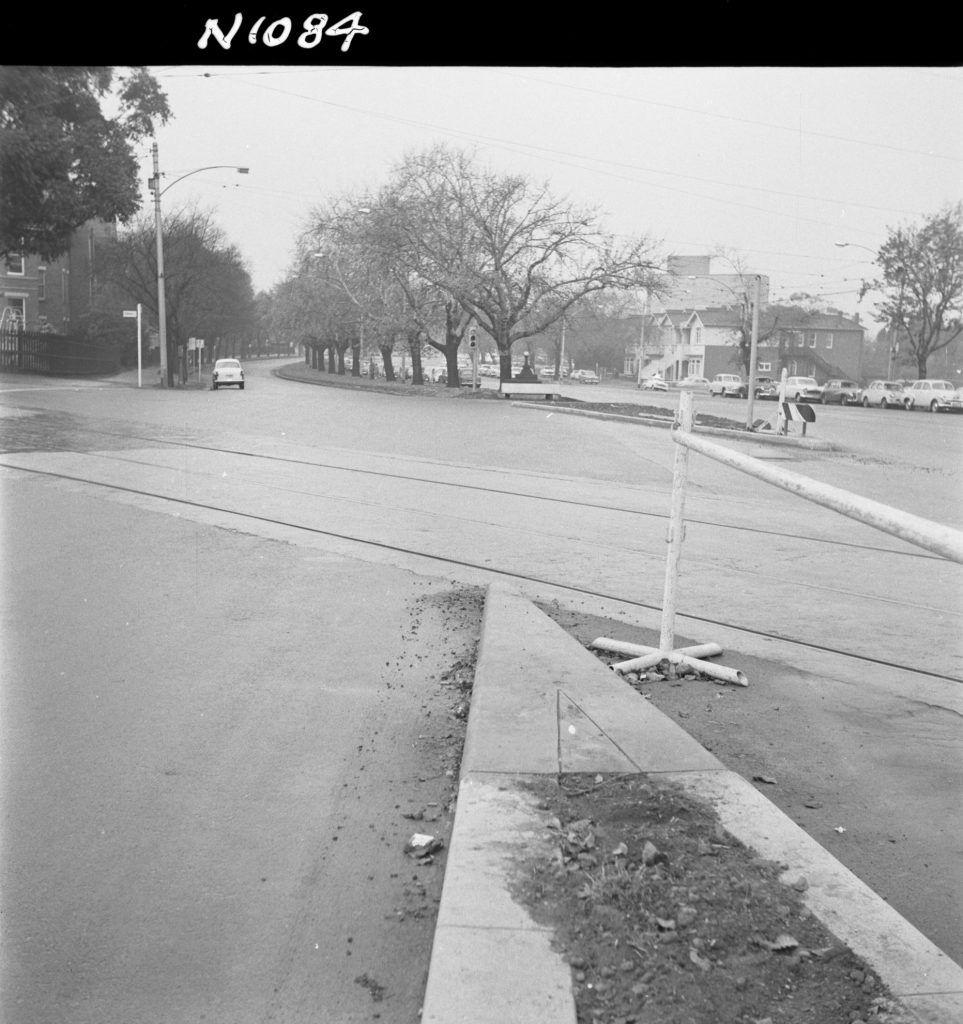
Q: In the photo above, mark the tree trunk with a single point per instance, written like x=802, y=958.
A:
x=414, y=347
x=386, y=359
x=451, y=365
x=504, y=363
x=356, y=357
x=332, y=368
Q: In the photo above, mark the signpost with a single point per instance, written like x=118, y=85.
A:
x=473, y=348
x=196, y=345
x=130, y=314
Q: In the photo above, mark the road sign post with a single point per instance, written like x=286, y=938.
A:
x=473, y=348
x=130, y=314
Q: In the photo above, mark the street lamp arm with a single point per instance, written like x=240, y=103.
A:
x=213, y=167
x=857, y=245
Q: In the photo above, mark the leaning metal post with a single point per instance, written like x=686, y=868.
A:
x=684, y=657
x=680, y=470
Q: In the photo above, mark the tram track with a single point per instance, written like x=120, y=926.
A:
x=551, y=499
x=487, y=569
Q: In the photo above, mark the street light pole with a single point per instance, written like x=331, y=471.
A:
x=161, y=295
x=154, y=185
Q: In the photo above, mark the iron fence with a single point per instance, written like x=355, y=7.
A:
x=57, y=354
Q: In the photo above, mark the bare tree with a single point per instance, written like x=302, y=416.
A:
x=921, y=280
x=208, y=289
x=338, y=248
x=513, y=256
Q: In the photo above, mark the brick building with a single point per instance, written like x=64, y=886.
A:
x=683, y=343
x=53, y=295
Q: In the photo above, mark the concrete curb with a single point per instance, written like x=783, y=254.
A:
x=641, y=421
x=544, y=705
x=811, y=443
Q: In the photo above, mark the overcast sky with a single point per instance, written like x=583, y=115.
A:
x=771, y=165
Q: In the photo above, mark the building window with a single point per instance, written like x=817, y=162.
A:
x=764, y=367
x=829, y=341
x=811, y=338
x=800, y=341
x=14, y=311
x=14, y=262
x=41, y=283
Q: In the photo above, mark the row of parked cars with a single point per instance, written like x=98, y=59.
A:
x=931, y=395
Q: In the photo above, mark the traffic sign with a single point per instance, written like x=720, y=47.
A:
x=130, y=313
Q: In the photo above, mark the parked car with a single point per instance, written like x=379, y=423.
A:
x=585, y=377
x=846, y=392
x=934, y=395
x=728, y=385
x=695, y=382
x=766, y=388
x=227, y=373
x=654, y=384
x=803, y=389
x=887, y=394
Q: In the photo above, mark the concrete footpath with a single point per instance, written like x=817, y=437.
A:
x=544, y=705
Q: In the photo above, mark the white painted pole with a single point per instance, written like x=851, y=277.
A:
x=676, y=526
x=924, y=533
x=782, y=424
x=139, y=346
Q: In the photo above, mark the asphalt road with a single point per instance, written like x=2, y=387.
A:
x=181, y=585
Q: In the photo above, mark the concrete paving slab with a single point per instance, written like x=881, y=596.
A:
x=583, y=746
x=530, y=674
x=652, y=741
x=496, y=976
x=497, y=824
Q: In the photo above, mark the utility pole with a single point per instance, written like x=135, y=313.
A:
x=645, y=314
x=753, y=347
x=561, y=358
x=161, y=297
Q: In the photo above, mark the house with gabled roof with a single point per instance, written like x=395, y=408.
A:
x=681, y=343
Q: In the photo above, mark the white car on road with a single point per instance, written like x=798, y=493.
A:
x=654, y=384
x=227, y=373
